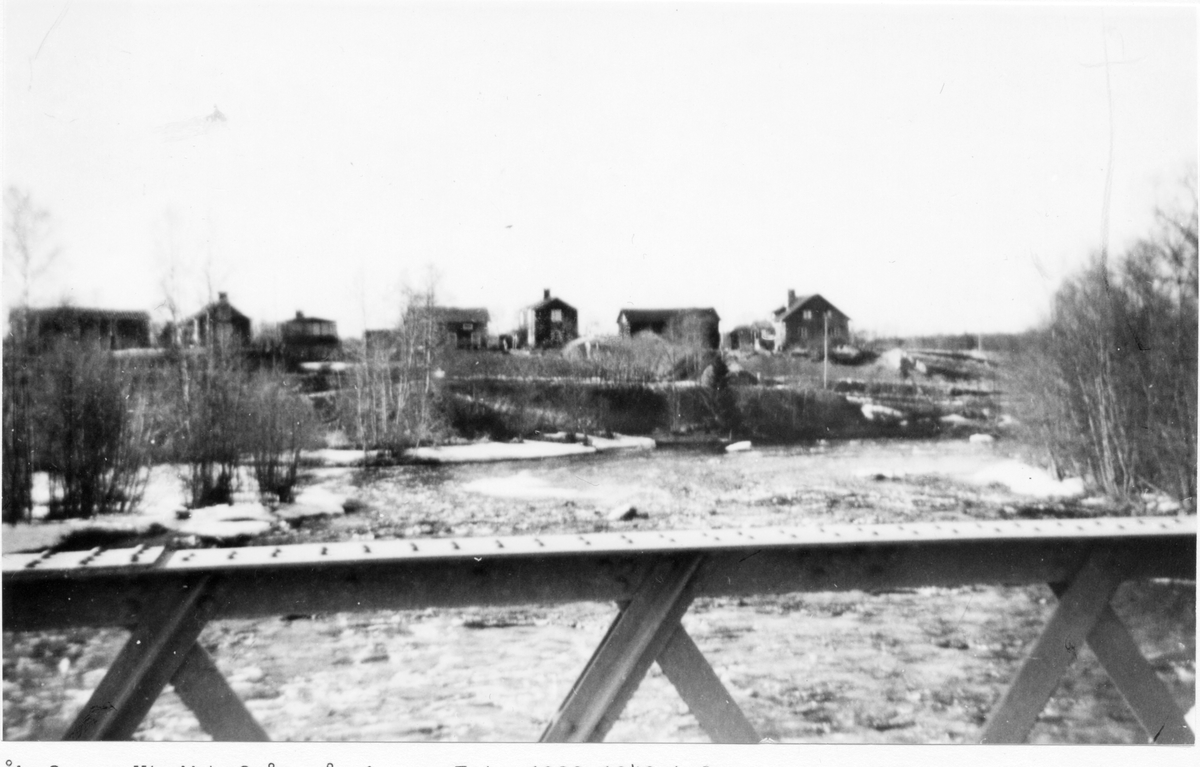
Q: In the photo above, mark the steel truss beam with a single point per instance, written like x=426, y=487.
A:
x=167, y=597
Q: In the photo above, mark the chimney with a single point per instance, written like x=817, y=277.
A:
x=546, y=294
x=223, y=297
x=299, y=315
x=791, y=297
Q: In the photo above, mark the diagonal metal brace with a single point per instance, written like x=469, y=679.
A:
x=634, y=640
x=1079, y=607
x=714, y=708
x=221, y=713
x=1145, y=693
x=154, y=652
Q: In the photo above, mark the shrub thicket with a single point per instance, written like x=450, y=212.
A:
x=88, y=423
x=1113, y=395
x=17, y=450
x=392, y=399
x=211, y=429
x=281, y=424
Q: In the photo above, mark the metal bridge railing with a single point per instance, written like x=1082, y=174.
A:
x=166, y=597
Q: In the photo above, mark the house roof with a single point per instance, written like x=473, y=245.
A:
x=784, y=312
x=223, y=310
x=756, y=325
x=664, y=315
x=303, y=319
x=548, y=302
x=78, y=311
x=456, y=314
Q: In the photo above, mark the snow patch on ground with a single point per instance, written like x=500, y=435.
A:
x=480, y=452
x=1024, y=479
x=164, y=503
x=227, y=521
x=602, y=444
x=883, y=413
x=313, y=501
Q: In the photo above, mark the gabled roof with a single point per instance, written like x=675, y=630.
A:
x=456, y=314
x=664, y=315
x=552, y=301
x=222, y=309
x=784, y=312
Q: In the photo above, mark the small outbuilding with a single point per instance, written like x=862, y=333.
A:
x=757, y=336
x=691, y=327
x=550, y=323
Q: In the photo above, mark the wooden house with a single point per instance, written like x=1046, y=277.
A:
x=104, y=328
x=691, y=327
x=216, y=325
x=806, y=321
x=462, y=328
x=309, y=339
x=550, y=323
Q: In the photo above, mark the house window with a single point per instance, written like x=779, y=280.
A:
x=803, y=334
x=468, y=326
x=556, y=315
x=808, y=314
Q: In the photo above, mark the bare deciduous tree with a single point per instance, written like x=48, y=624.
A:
x=1119, y=380
x=28, y=256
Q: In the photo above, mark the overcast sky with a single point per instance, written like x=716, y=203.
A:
x=925, y=168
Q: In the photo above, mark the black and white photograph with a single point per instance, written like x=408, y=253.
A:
x=444, y=374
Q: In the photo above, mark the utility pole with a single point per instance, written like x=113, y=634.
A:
x=826, y=379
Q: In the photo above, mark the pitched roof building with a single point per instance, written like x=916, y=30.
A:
x=464, y=328
x=550, y=322
x=217, y=325
x=689, y=326
x=105, y=328
x=809, y=320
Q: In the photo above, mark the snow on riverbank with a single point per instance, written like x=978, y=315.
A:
x=485, y=452
x=982, y=471
x=163, y=510
x=553, y=446
x=1023, y=479
x=603, y=444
